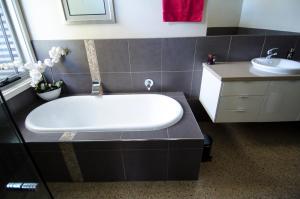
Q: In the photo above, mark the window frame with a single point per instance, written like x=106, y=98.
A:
x=12, y=31
x=21, y=35
x=107, y=18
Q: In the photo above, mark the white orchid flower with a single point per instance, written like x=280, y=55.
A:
x=29, y=66
x=40, y=66
x=36, y=76
x=52, y=52
x=49, y=62
x=55, y=60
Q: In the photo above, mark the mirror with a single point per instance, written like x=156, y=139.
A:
x=253, y=17
x=88, y=11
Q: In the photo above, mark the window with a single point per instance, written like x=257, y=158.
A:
x=9, y=50
x=15, y=47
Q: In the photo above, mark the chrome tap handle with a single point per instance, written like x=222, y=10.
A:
x=270, y=51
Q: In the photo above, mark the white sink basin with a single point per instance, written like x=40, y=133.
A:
x=276, y=65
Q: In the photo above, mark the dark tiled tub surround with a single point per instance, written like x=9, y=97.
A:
x=173, y=153
x=175, y=64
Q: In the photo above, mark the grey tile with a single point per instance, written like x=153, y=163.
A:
x=100, y=165
x=138, y=81
x=113, y=55
x=106, y=136
x=76, y=83
x=251, y=31
x=277, y=32
x=297, y=50
x=284, y=43
x=22, y=101
x=186, y=128
x=183, y=102
x=145, y=54
x=146, y=164
x=182, y=144
x=74, y=62
x=52, y=166
x=97, y=145
x=178, y=54
x=184, y=164
x=177, y=81
x=145, y=135
x=245, y=48
x=145, y=144
x=116, y=82
x=173, y=94
x=43, y=146
x=212, y=31
x=217, y=45
x=196, y=84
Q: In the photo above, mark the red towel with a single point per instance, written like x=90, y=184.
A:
x=183, y=10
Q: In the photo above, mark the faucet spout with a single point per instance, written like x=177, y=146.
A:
x=97, y=88
x=271, y=53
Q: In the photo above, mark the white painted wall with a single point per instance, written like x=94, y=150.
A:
x=223, y=13
x=135, y=19
x=271, y=14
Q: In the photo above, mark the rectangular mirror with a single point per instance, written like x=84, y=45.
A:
x=88, y=11
x=253, y=17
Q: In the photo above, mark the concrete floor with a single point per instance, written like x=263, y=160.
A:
x=249, y=161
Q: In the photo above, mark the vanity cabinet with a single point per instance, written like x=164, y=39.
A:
x=249, y=100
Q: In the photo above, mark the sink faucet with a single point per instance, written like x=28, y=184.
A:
x=271, y=53
x=97, y=88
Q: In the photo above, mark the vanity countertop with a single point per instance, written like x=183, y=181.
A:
x=241, y=71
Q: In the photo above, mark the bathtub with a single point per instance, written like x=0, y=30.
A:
x=108, y=113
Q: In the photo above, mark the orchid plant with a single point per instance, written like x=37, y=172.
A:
x=37, y=69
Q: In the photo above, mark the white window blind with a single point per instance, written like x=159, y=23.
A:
x=8, y=48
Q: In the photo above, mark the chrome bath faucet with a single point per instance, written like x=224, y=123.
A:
x=271, y=53
x=97, y=88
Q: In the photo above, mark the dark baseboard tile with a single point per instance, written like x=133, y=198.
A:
x=213, y=31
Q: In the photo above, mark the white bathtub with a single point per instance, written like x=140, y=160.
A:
x=132, y=112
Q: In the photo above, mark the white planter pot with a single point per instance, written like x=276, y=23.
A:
x=50, y=95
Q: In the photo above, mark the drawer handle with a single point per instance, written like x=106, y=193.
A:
x=239, y=110
x=244, y=96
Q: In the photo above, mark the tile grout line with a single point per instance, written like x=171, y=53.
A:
x=263, y=46
x=123, y=163
x=168, y=160
x=229, y=48
x=141, y=72
x=161, y=65
x=129, y=60
x=297, y=42
x=193, y=71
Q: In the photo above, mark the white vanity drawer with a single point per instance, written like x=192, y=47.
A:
x=237, y=102
x=237, y=115
x=244, y=88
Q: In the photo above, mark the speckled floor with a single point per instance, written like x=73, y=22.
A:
x=249, y=161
